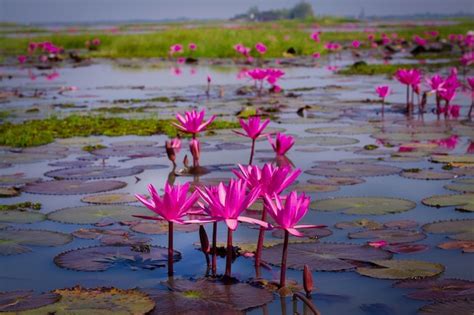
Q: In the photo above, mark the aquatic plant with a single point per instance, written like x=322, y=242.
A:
x=253, y=129
x=281, y=144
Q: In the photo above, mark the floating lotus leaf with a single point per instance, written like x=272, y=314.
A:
x=26, y=157
x=324, y=256
x=110, y=198
x=205, y=296
x=311, y=149
x=364, y=205
x=143, y=151
x=13, y=242
x=101, y=258
x=310, y=188
x=16, y=301
x=437, y=289
x=462, y=185
x=462, y=202
x=401, y=224
x=310, y=233
x=8, y=192
x=408, y=137
x=73, y=187
x=362, y=223
x=462, y=230
x=406, y=248
x=232, y=146
x=343, y=130
x=458, y=307
x=469, y=159
x=16, y=179
x=341, y=169
x=93, y=172
x=20, y=216
x=71, y=164
x=161, y=227
x=250, y=246
x=465, y=171
x=104, y=301
x=390, y=235
x=115, y=237
x=466, y=246
x=428, y=175
x=401, y=158
x=401, y=269
x=337, y=181
x=325, y=141
x=96, y=213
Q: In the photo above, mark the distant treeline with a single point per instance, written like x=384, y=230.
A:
x=302, y=10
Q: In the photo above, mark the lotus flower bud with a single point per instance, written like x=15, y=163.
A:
x=205, y=247
x=307, y=280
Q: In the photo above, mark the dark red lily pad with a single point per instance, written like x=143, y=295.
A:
x=17, y=301
x=341, y=169
x=73, y=187
x=101, y=258
x=161, y=227
x=466, y=246
x=392, y=236
x=406, y=248
x=458, y=307
x=93, y=172
x=324, y=256
x=437, y=289
x=309, y=233
x=206, y=296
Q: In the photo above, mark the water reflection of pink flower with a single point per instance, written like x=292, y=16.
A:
x=406, y=149
x=181, y=60
x=22, y=59
x=176, y=71
x=332, y=68
x=448, y=143
x=316, y=55
x=193, y=71
x=52, y=76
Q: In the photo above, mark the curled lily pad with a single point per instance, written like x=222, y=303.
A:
x=395, y=236
x=462, y=202
x=73, y=187
x=462, y=230
x=115, y=237
x=457, y=306
x=106, y=301
x=466, y=246
x=115, y=198
x=324, y=256
x=93, y=172
x=96, y=213
x=362, y=223
x=364, y=205
x=401, y=269
x=16, y=301
x=309, y=233
x=13, y=242
x=437, y=289
x=341, y=169
x=428, y=175
x=337, y=181
x=101, y=258
x=462, y=185
x=20, y=216
x=205, y=296
x=161, y=227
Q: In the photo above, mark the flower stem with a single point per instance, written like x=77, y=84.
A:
x=283, y=261
x=261, y=237
x=214, y=248
x=408, y=98
x=252, y=150
x=228, y=262
x=170, y=249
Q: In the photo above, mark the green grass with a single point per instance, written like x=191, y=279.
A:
x=390, y=69
x=39, y=132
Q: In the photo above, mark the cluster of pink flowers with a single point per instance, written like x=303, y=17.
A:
x=44, y=47
x=420, y=41
x=93, y=44
x=271, y=75
x=332, y=47
x=241, y=49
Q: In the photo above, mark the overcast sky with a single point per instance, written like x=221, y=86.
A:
x=41, y=11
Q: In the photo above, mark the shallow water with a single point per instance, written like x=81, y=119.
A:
x=98, y=85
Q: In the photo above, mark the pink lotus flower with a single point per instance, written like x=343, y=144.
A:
x=192, y=46
x=419, y=40
x=356, y=44
x=95, y=42
x=282, y=143
x=315, y=36
x=409, y=77
x=253, y=129
x=316, y=55
x=287, y=215
x=448, y=94
x=383, y=91
x=470, y=82
x=193, y=122
x=22, y=59
x=176, y=48
x=436, y=83
x=261, y=48
x=378, y=244
x=173, y=148
x=467, y=59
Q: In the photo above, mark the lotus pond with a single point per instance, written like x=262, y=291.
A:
x=391, y=191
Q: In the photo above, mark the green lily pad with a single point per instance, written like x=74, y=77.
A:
x=73, y=187
x=205, y=296
x=16, y=179
x=16, y=301
x=114, y=198
x=407, y=137
x=78, y=141
x=93, y=172
x=337, y=181
x=324, y=256
x=311, y=188
x=104, y=301
x=341, y=169
x=101, y=258
x=161, y=227
x=428, y=175
x=342, y=130
x=362, y=223
x=13, y=242
x=364, y=205
x=466, y=246
x=325, y=141
x=462, y=202
x=113, y=237
x=462, y=230
x=457, y=306
x=462, y=185
x=96, y=213
x=21, y=217
x=401, y=269
x=468, y=159
x=395, y=236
